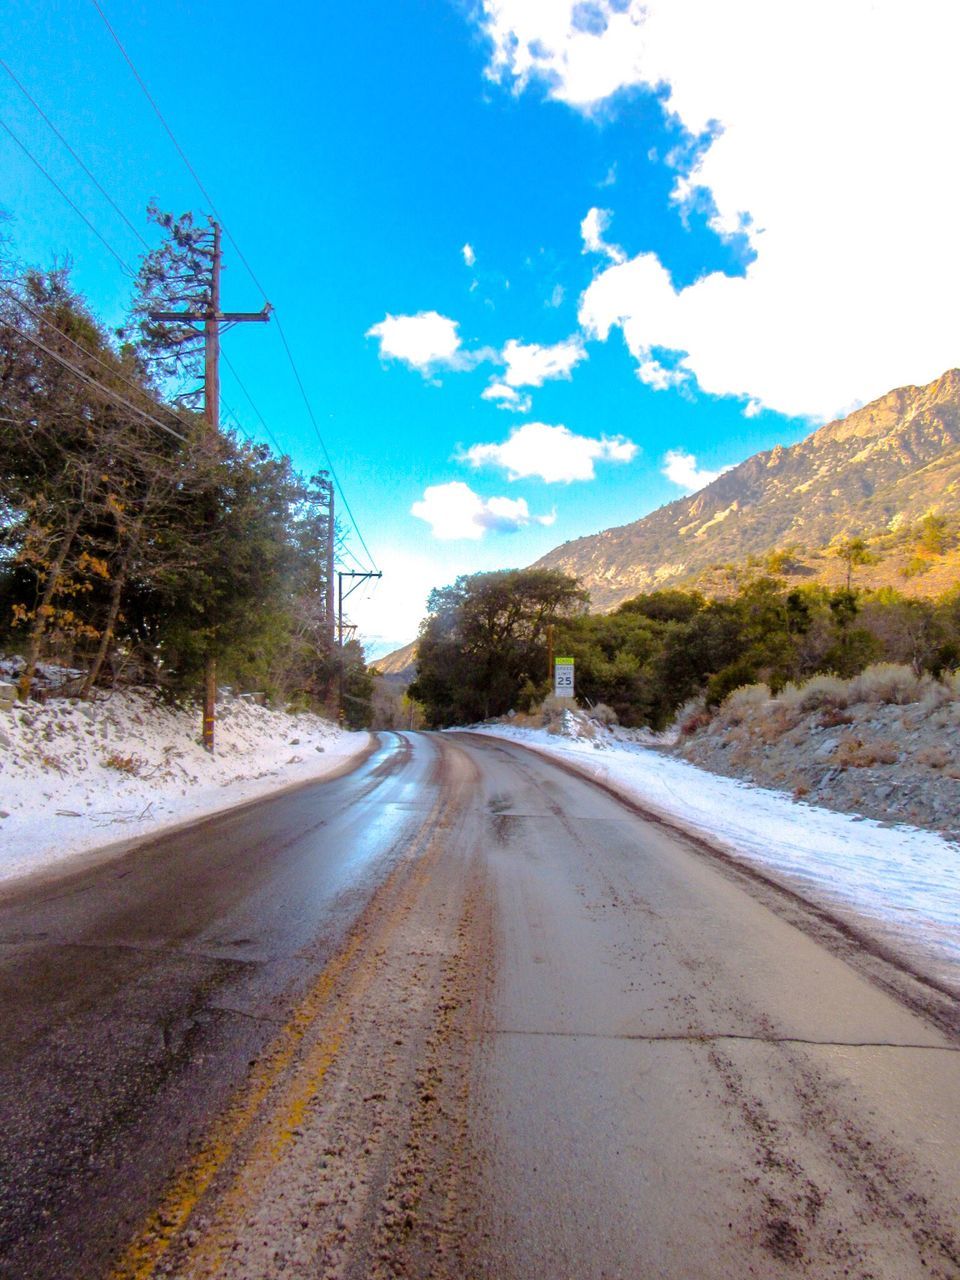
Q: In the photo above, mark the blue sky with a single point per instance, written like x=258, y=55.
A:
x=354, y=151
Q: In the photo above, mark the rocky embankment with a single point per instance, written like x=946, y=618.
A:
x=884, y=744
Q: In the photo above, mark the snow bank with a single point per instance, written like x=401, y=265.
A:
x=75, y=776
x=898, y=883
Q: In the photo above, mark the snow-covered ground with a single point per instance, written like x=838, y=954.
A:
x=898, y=883
x=76, y=776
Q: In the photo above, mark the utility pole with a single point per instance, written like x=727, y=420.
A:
x=212, y=319
x=331, y=617
x=342, y=595
x=550, y=654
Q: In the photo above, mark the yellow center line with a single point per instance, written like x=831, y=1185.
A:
x=187, y=1186
x=288, y=1111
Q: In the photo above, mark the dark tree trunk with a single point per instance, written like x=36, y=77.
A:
x=54, y=574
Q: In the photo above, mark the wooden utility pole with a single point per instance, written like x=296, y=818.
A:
x=212, y=319
x=342, y=595
x=550, y=672
x=331, y=618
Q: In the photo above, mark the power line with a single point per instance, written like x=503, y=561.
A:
x=41, y=319
x=236, y=421
x=79, y=212
x=206, y=195
x=106, y=195
x=306, y=401
x=180, y=151
x=229, y=363
x=343, y=548
x=85, y=377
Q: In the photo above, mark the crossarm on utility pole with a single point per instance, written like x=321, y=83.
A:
x=342, y=595
x=222, y=317
x=212, y=319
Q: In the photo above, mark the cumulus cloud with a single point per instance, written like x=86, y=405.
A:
x=551, y=453
x=469, y=256
x=660, y=376
x=425, y=341
x=831, y=128
x=592, y=229
x=530, y=365
x=454, y=511
x=681, y=469
x=583, y=52
x=507, y=397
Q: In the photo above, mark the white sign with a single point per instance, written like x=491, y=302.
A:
x=563, y=677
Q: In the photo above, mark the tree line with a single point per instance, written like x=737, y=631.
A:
x=137, y=542
x=483, y=646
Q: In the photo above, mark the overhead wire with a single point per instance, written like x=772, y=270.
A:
x=236, y=420
x=124, y=265
x=226, y=230
x=93, y=382
x=326, y=453
x=180, y=151
x=77, y=210
x=342, y=547
x=240, y=383
x=91, y=355
x=43, y=115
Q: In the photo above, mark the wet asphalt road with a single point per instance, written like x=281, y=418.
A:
x=135, y=994
x=529, y=1032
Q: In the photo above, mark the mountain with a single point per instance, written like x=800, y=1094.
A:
x=399, y=665
x=874, y=474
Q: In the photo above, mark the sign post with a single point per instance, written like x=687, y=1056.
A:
x=563, y=677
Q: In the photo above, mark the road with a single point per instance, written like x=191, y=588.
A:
x=460, y=1013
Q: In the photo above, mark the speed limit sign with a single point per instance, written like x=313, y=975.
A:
x=563, y=677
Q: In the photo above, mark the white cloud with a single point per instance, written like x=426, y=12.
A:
x=469, y=256
x=557, y=296
x=530, y=365
x=507, y=397
x=681, y=469
x=836, y=125
x=551, y=453
x=388, y=610
x=425, y=341
x=654, y=374
x=592, y=228
x=454, y=511
x=583, y=52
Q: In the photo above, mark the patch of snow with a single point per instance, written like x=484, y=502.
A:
x=900, y=884
x=75, y=776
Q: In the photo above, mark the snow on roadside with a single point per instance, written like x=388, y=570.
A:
x=75, y=776
x=898, y=883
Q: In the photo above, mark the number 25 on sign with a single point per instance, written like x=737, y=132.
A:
x=563, y=677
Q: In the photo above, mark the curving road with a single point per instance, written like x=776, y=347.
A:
x=461, y=1013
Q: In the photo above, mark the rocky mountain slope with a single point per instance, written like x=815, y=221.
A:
x=880, y=745
x=874, y=474
x=400, y=663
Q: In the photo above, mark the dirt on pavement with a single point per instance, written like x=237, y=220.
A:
x=345, y=1155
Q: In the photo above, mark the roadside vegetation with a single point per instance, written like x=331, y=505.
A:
x=483, y=646
x=880, y=743
x=138, y=543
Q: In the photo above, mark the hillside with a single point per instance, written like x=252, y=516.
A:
x=400, y=665
x=874, y=474
x=76, y=776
